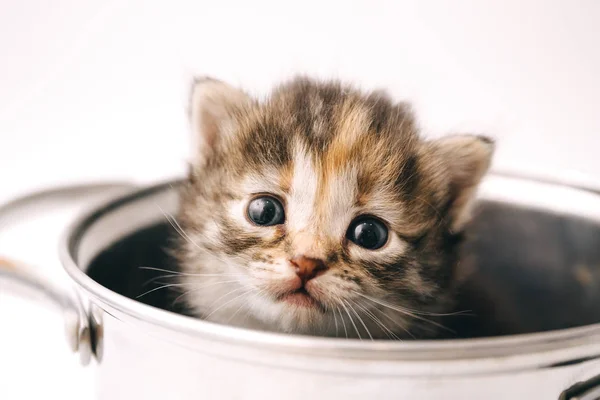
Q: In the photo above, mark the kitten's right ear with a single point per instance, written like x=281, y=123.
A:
x=213, y=107
x=465, y=159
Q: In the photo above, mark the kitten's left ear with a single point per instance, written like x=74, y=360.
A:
x=467, y=159
x=213, y=108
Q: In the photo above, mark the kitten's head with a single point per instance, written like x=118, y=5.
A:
x=320, y=211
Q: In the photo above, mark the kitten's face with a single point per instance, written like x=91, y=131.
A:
x=320, y=211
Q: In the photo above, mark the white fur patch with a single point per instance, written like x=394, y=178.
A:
x=340, y=196
x=303, y=192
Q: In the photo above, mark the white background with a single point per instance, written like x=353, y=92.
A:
x=97, y=89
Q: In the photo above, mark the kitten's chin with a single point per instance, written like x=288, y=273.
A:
x=300, y=298
x=295, y=312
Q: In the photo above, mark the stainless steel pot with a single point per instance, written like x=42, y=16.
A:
x=534, y=259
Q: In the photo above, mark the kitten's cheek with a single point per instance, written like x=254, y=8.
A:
x=330, y=290
x=316, y=290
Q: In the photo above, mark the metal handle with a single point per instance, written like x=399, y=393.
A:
x=588, y=390
x=26, y=281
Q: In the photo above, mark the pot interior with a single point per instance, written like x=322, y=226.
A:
x=533, y=263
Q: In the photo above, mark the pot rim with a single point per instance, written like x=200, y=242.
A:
x=423, y=350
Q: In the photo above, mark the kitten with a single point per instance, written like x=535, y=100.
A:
x=320, y=211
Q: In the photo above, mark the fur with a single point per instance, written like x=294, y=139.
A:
x=330, y=153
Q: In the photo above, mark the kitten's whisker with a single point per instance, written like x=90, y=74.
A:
x=403, y=311
x=343, y=323
x=161, y=270
x=431, y=314
x=177, y=276
x=351, y=320
x=160, y=287
x=242, y=305
x=227, y=294
x=200, y=288
x=259, y=293
x=359, y=319
x=173, y=221
x=380, y=323
x=393, y=321
x=158, y=277
x=398, y=324
x=176, y=225
x=229, y=301
x=236, y=311
x=382, y=327
x=396, y=308
x=336, y=323
x=177, y=273
x=179, y=229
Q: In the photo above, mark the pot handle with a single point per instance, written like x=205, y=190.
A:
x=23, y=280
x=28, y=282
x=587, y=390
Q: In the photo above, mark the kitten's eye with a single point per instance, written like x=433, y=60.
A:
x=266, y=211
x=368, y=232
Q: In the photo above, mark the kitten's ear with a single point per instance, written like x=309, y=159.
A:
x=212, y=110
x=467, y=159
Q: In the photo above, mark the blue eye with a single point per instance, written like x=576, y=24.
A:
x=368, y=232
x=266, y=211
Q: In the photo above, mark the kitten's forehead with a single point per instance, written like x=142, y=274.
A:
x=332, y=150
x=325, y=117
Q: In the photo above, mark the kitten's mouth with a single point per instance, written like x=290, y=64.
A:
x=300, y=298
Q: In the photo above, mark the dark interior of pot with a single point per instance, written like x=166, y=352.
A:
x=529, y=271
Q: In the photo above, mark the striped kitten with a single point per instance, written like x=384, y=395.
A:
x=320, y=211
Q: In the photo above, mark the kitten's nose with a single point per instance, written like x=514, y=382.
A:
x=306, y=267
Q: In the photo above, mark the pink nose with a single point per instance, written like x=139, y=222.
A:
x=307, y=268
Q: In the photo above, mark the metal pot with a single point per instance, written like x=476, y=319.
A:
x=534, y=261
